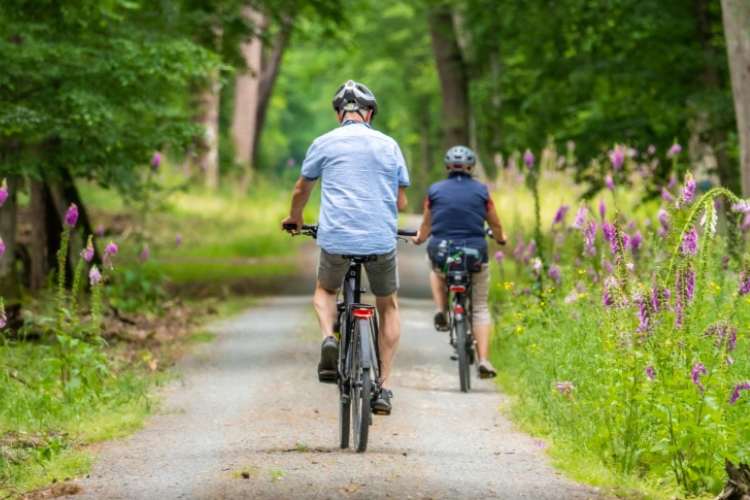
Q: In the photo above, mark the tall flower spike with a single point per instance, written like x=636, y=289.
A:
x=609, y=182
x=589, y=239
x=554, y=273
x=617, y=157
x=560, y=214
x=744, y=386
x=666, y=195
x=689, y=245
x=698, y=370
x=88, y=253
x=602, y=209
x=580, y=218
x=3, y=248
x=95, y=277
x=4, y=192
x=688, y=190
x=675, y=150
x=156, y=161
x=528, y=158
x=71, y=216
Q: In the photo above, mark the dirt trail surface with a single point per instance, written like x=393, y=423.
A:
x=248, y=419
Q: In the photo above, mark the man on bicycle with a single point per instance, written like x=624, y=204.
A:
x=363, y=177
x=455, y=211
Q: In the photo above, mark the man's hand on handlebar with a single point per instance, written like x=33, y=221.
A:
x=418, y=239
x=292, y=224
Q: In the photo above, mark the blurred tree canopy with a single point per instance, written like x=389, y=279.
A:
x=639, y=72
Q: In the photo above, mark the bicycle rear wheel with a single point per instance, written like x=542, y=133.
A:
x=462, y=350
x=361, y=412
x=345, y=408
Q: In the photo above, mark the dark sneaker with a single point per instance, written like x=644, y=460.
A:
x=329, y=355
x=441, y=322
x=381, y=405
x=486, y=370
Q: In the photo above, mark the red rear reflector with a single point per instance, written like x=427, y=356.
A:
x=458, y=309
x=457, y=288
x=362, y=313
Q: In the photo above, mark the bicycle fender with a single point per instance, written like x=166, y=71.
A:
x=364, y=341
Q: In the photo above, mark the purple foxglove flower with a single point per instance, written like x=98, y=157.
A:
x=3, y=248
x=602, y=209
x=4, y=192
x=580, y=218
x=156, y=161
x=111, y=249
x=644, y=314
x=695, y=375
x=650, y=372
x=688, y=190
x=659, y=297
x=145, y=253
x=663, y=217
x=617, y=157
x=741, y=206
x=686, y=283
x=607, y=298
x=675, y=150
x=499, y=256
x=565, y=388
x=666, y=195
x=554, y=273
x=100, y=230
x=95, y=277
x=589, y=239
x=88, y=253
x=744, y=282
x=724, y=335
x=610, y=236
x=528, y=158
x=744, y=386
x=634, y=241
x=679, y=312
x=745, y=225
x=530, y=251
x=71, y=216
x=519, y=250
x=672, y=182
x=609, y=182
x=560, y=214
x=689, y=245
x=178, y=239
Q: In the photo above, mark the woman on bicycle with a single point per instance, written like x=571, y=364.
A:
x=455, y=211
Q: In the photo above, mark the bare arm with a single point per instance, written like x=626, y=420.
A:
x=402, y=201
x=426, y=228
x=300, y=196
x=494, y=222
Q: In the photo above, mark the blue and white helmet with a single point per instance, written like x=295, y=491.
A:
x=460, y=159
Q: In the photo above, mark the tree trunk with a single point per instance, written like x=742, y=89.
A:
x=9, y=286
x=246, y=94
x=208, y=159
x=270, y=67
x=453, y=76
x=39, y=263
x=736, y=14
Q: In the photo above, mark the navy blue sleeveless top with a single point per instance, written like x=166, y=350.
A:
x=458, y=206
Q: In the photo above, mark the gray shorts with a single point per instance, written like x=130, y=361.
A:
x=381, y=273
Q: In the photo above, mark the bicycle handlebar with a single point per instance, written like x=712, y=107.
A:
x=312, y=230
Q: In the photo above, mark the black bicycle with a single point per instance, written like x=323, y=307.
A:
x=458, y=271
x=358, y=372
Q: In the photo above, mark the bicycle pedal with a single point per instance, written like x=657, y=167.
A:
x=327, y=376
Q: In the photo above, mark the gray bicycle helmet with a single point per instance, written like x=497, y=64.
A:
x=460, y=158
x=354, y=96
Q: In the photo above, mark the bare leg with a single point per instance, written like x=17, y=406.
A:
x=324, y=302
x=437, y=284
x=482, y=336
x=390, y=333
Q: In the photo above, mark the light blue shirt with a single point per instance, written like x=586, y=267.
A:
x=361, y=171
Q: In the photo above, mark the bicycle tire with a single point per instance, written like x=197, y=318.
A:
x=464, y=368
x=361, y=388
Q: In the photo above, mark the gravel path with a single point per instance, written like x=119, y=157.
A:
x=248, y=419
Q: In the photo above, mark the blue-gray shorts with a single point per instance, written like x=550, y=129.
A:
x=381, y=273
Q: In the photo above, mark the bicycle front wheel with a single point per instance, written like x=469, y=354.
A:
x=462, y=350
x=361, y=410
